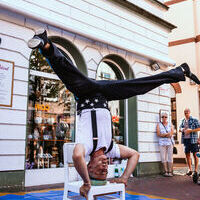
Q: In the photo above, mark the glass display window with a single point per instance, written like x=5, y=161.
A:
x=51, y=116
x=108, y=71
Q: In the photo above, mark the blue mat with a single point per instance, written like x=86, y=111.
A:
x=58, y=195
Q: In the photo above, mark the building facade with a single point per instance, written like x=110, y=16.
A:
x=184, y=46
x=105, y=40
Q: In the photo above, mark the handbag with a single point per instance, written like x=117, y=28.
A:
x=174, y=148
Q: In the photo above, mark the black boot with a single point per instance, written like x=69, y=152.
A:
x=188, y=73
x=42, y=34
x=39, y=40
x=35, y=43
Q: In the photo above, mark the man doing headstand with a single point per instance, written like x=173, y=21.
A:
x=94, y=135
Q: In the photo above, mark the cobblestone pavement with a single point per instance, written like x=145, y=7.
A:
x=180, y=187
x=182, y=169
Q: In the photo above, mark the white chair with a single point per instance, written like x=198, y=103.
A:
x=73, y=181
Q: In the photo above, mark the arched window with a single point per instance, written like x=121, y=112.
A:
x=51, y=115
x=108, y=70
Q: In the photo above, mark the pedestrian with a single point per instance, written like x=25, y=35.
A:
x=189, y=128
x=94, y=135
x=165, y=132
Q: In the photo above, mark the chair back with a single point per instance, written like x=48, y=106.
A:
x=68, y=149
x=73, y=181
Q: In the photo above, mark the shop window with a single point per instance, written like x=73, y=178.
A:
x=174, y=119
x=108, y=71
x=51, y=116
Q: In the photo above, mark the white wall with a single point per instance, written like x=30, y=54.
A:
x=13, y=120
x=148, y=109
x=151, y=7
x=181, y=14
x=102, y=20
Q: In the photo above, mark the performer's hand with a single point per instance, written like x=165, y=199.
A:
x=84, y=189
x=119, y=180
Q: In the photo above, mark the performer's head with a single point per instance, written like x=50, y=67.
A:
x=98, y=166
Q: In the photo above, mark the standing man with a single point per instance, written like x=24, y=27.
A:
x=189, y=128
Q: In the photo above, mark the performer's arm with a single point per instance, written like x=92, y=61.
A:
x=132, y=156
x=81, y=167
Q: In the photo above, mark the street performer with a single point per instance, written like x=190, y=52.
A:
x=94, y=134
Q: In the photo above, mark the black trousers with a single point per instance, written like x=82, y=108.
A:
x=84, y=87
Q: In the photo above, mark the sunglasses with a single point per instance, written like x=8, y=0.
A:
x=163, y=117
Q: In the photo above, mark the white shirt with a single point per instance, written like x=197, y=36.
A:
x=84, y=132
x=186, y=126
x=165, y=141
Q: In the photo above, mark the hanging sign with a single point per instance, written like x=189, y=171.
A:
x=6, y=82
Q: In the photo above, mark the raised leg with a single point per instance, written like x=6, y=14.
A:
x=83, y=87
x=80, y=85
x=123, y=89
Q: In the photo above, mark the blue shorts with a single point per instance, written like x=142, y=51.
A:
x=193, y=148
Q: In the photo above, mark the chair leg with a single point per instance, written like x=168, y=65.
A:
x=122, y=195
x=65, y=195
x=90, y=196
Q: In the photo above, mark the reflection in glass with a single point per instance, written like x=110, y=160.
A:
x=38, y=62
x=106, y=72
x=51, y=118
